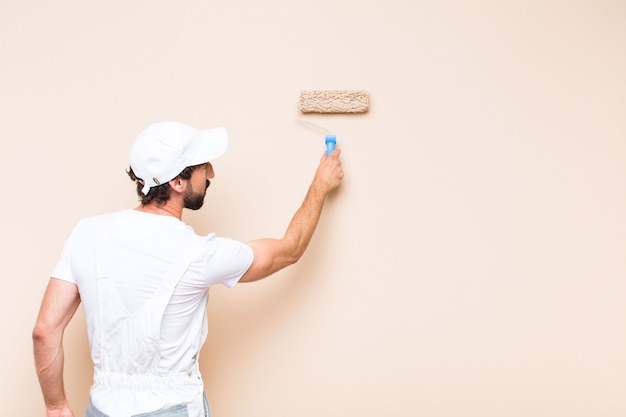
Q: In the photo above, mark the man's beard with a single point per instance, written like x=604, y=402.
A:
x=193, y=200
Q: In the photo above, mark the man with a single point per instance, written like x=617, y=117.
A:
x=143, y=277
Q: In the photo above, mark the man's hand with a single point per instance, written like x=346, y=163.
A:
x=329, y=173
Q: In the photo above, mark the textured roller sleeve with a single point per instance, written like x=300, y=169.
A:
x=334, y=101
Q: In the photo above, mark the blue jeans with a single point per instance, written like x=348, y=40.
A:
x=177, y=411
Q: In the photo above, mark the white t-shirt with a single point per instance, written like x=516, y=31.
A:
x=145, y=246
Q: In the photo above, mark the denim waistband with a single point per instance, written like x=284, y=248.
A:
x=178, y=411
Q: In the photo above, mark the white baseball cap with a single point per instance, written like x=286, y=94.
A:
x=165, y=149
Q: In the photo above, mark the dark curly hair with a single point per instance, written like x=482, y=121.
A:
x=161, y=193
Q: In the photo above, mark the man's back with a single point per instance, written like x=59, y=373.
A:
x=139, y=252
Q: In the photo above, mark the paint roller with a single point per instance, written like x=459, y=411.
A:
x=332, y=101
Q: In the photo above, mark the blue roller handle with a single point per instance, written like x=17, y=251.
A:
x=331, y=141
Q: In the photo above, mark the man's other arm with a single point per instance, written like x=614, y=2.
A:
x=59, y=304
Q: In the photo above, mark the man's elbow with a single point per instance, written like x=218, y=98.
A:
x=279, y=263
x=41, y=333
x=295, y=252
x=295, y=256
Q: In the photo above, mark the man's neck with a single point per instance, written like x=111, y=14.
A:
x=168, y=209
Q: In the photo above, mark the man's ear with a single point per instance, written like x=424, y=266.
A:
x=177, y=184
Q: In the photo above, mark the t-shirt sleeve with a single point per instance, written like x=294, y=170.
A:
x=63, y=269
x=226, y=260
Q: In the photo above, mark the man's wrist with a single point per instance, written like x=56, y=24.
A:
x=320, y=188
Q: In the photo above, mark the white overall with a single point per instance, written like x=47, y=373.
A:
x=127, y=379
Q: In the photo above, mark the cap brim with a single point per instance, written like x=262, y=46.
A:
x=213, y=143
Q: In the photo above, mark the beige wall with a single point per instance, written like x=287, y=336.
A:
x=472, y=263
